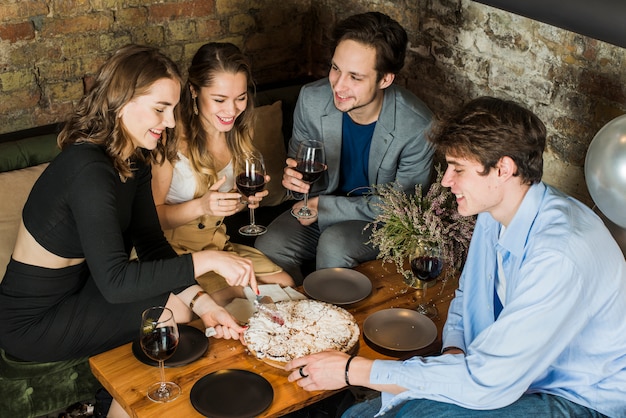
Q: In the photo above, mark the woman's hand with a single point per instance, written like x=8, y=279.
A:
x=292, y=180
x=223, y=322
x=255, y=200
x=216, y=203
x=236, y=270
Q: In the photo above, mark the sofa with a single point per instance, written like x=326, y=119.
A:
x=33, y=389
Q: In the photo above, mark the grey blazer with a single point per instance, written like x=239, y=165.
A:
x=399, y=152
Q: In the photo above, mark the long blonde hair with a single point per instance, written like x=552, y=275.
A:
x=129, y=73
x=209, y=60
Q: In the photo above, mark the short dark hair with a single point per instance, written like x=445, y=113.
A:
x=487, y=129
x=379, y=31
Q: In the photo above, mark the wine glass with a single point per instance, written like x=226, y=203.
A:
x=426, y=265
x=311, y=163
x=250, y=180
x=158, y=339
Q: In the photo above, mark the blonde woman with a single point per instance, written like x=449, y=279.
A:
x=194, y=190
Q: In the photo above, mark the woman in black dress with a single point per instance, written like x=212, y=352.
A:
x=71, y=289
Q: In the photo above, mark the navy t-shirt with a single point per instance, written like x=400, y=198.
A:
x=355, y=152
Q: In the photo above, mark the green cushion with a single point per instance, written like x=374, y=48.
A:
x=32, y=389
x=28, y=152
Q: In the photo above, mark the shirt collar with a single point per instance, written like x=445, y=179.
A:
x=515, y=238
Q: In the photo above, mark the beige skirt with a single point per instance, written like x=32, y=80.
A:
x=209, y=233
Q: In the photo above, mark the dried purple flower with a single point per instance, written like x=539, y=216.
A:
x=405, y=219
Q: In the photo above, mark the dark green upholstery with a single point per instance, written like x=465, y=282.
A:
x=32, y=389
x=28, y=152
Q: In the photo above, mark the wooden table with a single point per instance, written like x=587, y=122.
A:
x=126, y=378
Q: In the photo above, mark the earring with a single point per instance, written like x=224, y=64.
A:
x=195, y=106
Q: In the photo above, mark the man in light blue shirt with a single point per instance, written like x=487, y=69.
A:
x=538, y=324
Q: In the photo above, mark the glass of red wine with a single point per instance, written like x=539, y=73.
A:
x=251, y=180
x=158, y=338
x=311, y=163
x=426, y=265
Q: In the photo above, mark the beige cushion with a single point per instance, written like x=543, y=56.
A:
x=14, y=189
x=268, y=139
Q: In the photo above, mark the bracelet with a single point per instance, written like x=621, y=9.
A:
x=450, y=348
x=195, y=298
x=348, y=369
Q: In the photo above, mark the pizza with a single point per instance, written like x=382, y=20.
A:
x=310, y=326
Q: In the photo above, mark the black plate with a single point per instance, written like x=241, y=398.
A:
x=191, y=346
x=339, y=286
x=231, y=393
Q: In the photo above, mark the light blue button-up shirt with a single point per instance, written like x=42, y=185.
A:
x=562, y=330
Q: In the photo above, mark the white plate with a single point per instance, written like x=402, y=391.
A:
x=399, y=329
x=339, y=286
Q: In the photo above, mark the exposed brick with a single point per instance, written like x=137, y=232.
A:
x=64, y=8
x=129, y=17
x=112, y=41
x=95, y=22
x=182, y=30
x=22, y=9
x=240, y=23
x=17, y=32
x=149, y=35
x=18, y=99
x=167, y=11
x=209, y=29
x=225, y=7
x=15, y=80
x=65, y=91
x=104, y=4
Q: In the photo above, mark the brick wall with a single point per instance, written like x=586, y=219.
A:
x=459, y=50
x=50, y=49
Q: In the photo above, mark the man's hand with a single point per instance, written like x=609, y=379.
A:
x=292, y=180
x=312, y=204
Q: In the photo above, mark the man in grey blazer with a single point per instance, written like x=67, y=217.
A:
x=373, y=132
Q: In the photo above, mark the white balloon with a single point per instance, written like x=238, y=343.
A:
x=605, y=170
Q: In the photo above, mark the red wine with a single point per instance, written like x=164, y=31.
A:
x=160, y=344
x=426, y=268
x=249, y=185
x=311, y=171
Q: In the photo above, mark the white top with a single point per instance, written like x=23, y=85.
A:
x=183, y=185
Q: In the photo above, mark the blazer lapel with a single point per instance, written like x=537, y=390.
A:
x=382, y=137
x=331, y=132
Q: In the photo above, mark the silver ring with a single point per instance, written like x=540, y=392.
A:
x=301, y=373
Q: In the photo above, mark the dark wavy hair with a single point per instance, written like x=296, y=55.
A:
x=129, y=73
x=379, y=31
x=211, y=59
x=487, y=129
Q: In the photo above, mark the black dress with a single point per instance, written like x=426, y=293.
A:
x=80, y=208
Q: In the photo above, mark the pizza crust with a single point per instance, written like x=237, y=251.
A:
x=310, y=327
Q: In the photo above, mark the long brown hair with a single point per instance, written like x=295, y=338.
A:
x=211, y=59
x=129, y=73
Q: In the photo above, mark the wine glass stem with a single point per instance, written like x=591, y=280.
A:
x=252, y=221
x=424, y=288
x=306, y=200
x=162, y=369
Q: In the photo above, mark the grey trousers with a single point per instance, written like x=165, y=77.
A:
x=289, y=244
